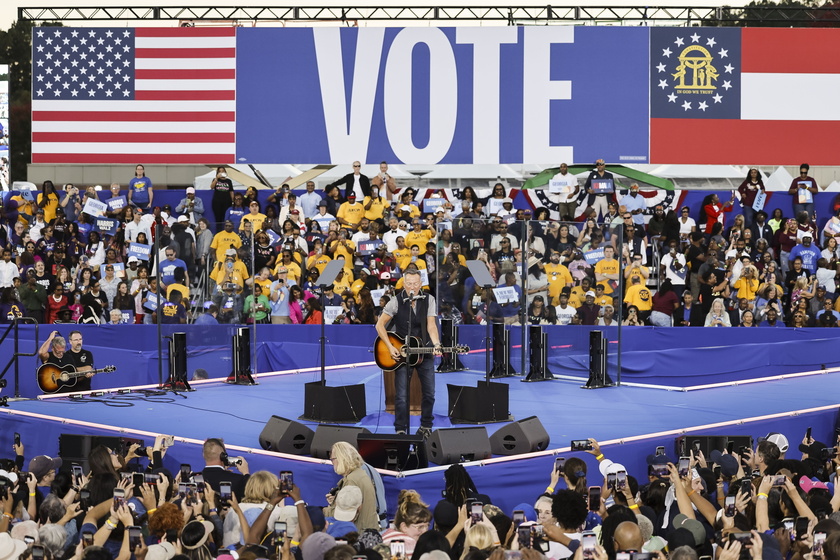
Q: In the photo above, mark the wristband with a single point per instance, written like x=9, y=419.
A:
x=634, y=506
x=32, y=493
x=295, y=543
x=151, y=511
x=692, y=492
x=300, y=502
x=550, y=489
x=110, y=524
x=761, y=496
x=268, y=507
x=599, y=457
x=213, y=510
x=9, y=515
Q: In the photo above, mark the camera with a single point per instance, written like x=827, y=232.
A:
x=230, y=461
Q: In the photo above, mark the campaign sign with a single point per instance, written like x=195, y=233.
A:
x=805, y=195
x=506, y=294
x=431, y=204
x=377, y=294
x=592, y=257
x=369, y=247
x=119, y=269
x=151, y=301
x=603, y=186
x=139, y=250
x=562, y=186
x=106, y=225
x=760, y=200
x=127, y=316
x=424, y=276
x=94, y=207
x=273, y=238
x=331, y=312
x=117, y=203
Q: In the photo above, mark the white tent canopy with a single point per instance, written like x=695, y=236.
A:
x=274, y=173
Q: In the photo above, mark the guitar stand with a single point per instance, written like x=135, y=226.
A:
x=177, y=380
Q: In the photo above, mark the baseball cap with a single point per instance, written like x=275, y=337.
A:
x=366, y=271
x=780, y=440
x=351, y=195
x=43, y=464
x=507, y=200
x=589, y=293
x=322, y=203
x=190, y=190
x=405, y=208
x=728, y=463
x=183, y=218
x=347, y=503
x=230, y=252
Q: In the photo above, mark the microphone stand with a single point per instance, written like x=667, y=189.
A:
x=408, y=362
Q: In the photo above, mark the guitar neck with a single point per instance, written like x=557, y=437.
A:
x=83, y=373
x=431, y=350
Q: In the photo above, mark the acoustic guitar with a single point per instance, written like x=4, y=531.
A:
x=412, y=351
x=51, y=377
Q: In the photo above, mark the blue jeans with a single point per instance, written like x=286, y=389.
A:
x=426, y=371
x=749, y=215
x=797, y=208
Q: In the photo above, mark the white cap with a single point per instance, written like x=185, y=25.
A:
x=190, y=190
x=780, y=440
x=183, y=218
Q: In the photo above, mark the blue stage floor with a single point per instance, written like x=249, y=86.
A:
x=619, y=415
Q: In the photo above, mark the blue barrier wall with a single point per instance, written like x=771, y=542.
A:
x=666, y=356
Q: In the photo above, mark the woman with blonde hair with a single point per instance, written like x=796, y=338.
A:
x=258, y=491
x=411, y=521
x=348, y=463
x=717, y=316
x=480, y=537
x=747, y=284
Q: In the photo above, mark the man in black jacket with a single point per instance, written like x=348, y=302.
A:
x=353, y=183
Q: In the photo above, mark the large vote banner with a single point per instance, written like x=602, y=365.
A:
x=435, y=95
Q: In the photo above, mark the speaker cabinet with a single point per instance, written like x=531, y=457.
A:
x=394, y=452
x=455, y=445
x=326, y=436
x=524, y=436
x=286, y=436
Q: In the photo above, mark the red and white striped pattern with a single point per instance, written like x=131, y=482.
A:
x=183, y=111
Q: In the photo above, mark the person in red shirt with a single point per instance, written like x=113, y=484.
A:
x=714, y=211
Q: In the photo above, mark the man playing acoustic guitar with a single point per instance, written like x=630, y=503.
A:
x=54, y=351
x=415, y=308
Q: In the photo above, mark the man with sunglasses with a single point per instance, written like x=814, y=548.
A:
x=354, y=182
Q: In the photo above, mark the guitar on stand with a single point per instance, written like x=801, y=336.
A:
x=52, y=378
x=412, y=351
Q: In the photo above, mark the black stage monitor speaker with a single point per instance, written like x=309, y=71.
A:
x=524, y=436
x=74, y=448
x=394, y=452
x=326, y=436
x=455, y=445
x=286, y=436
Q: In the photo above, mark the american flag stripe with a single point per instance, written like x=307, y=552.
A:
x=180, y=106
x=139, y=127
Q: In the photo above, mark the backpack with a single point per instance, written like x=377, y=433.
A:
x=379, y=490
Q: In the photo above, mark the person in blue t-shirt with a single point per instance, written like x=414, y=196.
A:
x=140, y=189
x=168, y=266
x=235, y=212
x=807, y=252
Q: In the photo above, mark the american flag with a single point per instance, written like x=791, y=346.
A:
x=118, y=95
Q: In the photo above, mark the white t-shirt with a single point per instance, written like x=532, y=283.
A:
x=564, y=316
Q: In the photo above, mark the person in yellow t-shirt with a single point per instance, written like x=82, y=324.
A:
x=415, y=258
x=375, y=205
x=606, y=270
x=600, y=297
x=577, y=297
x=559, y=277
x=224, y=240
x=418, y=236
x=636, y=269
x=350, y=213
x=639, y=295
x=48, y=200
x=231, y=269
x=342, y=282
x=402, y=252
x=292, y=268
x=254, y=216
x=344, y=248
x=319, y=260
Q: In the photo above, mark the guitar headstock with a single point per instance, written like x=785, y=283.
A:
x=109, y=369
x=462, y=349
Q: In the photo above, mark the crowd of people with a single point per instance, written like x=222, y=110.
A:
x=249, y=258
x=756, y=504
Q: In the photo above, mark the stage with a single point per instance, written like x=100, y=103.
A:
x=630, y=421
